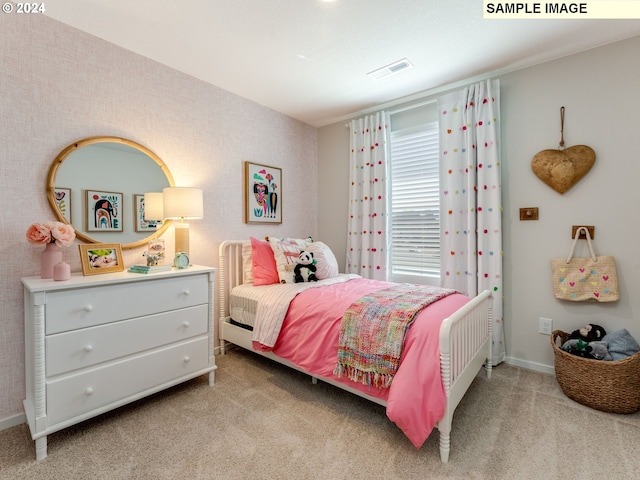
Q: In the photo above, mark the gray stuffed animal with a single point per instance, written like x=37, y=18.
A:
x=595, y=350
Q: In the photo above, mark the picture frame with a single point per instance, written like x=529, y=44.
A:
x=63, y=201
x=103, y=211
x=141, y=224
x=98, y=258
x=156, y=251
x=263, y=193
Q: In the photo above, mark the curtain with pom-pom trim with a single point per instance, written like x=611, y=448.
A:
x=367, y=224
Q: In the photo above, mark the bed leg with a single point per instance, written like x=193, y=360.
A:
x=445, y=446
x=488, y=368
x=221, y=347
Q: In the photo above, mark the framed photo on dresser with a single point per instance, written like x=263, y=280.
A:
x=97, y=258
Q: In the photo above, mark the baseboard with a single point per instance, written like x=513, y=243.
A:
x=538, y=367
x=12, y=421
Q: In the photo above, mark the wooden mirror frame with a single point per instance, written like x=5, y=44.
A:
x=55, y=166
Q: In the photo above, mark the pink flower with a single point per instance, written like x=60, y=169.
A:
x=59, y=233
x=38, y=234
x=63, y=233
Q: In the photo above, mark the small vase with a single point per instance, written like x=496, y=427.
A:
x=61, y=271
x=49, y=258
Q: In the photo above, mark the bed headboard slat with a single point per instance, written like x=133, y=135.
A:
x=231, y=273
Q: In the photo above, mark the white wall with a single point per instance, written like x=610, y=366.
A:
x=333, y=192
x=598, y=88
x=59, y=85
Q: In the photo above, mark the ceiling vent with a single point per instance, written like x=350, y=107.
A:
x=395, y=67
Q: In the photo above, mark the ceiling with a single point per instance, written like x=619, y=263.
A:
x=309, y=59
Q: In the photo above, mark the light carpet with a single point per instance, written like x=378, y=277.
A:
x=264, y=421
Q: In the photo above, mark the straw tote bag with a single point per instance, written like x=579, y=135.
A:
x=585, y=279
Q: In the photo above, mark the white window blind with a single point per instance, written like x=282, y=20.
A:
x=415, y=204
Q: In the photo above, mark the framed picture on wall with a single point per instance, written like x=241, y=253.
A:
x=142, y=225
x=99, y=258
x=263, y=193
x=103, y=211
x=63, y=201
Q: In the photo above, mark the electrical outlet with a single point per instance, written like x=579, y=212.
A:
x=545, y=326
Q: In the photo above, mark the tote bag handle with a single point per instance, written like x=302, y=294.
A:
x=575, y=241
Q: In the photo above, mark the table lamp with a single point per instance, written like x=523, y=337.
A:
x=182, y=203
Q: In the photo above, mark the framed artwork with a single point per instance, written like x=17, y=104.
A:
x=263, y=193
x=63, y=201
x=99, y=258
x=142, y=225
x=103, y=211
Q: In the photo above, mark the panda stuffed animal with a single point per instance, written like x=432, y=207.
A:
x=305, y=261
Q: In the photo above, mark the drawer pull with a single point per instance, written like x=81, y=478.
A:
x=88, y=308
x=88, y=391
x=186, y=359
x=185, y=324
x=186, y=292
x=88, y=348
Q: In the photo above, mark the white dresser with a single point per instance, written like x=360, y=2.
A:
x=98, y=342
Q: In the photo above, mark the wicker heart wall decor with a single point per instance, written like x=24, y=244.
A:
x=561, y=169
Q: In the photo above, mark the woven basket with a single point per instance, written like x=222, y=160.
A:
x=608, y=386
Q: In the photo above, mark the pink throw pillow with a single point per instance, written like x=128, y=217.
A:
x=264, y=267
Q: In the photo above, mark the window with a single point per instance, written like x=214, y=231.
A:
x=414, y=251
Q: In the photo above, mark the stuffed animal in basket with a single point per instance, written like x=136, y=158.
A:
x=305, y=261
x=595, y=350
x=587, y=342
x=589, y=333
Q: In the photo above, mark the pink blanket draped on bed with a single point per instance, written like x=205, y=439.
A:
x=309, y=339
x=373, y=328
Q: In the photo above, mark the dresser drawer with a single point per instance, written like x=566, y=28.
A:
x=69, y=351
x=72, y=309
x=72, y=395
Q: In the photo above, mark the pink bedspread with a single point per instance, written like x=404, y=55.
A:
x=416, y=398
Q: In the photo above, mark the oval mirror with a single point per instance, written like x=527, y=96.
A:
x=98, y=185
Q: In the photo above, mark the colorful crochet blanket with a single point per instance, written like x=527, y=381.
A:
x=373, y=329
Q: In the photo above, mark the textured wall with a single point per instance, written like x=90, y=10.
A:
x=58, y=85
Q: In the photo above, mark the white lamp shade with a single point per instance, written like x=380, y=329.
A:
x=182, y=203
x=153, y=206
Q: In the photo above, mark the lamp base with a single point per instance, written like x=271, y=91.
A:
x=182, y=237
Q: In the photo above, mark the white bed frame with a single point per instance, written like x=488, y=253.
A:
x=465, y=341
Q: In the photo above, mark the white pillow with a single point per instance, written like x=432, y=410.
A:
x=286, y=252
x=326, y=263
